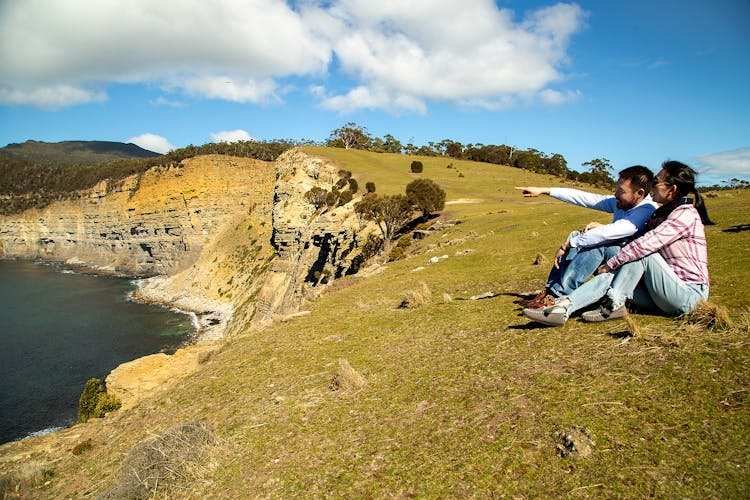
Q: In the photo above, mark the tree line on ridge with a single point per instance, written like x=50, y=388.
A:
x=26, y=184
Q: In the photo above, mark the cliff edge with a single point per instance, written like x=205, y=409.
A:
x=232, y=240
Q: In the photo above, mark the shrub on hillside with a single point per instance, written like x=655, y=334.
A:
x=417, y=167
x=332, y=197
x=95, y=402
x=345, y=197
x=89, y=398
x=398, y=251
x=316, y=197
x=426, y=195
x=370, y=187
x=390, y=213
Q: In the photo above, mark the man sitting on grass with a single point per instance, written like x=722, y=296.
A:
x=585, y=250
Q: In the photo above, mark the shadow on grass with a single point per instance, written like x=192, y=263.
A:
x=488, y=295
x=531, y=325
x=492, y=295
x=737, y=228
x=623, y=334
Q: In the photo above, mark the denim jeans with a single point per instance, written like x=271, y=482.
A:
x=577, y=266
x=653, y=285
x=649, y=282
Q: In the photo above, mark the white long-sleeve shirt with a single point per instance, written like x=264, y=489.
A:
x=625, y=223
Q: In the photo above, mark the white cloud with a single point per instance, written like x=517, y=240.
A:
x=230, y=136
x=185, y=45
x=229, y=89
x=152, y=142
x=364, y=97
x=163, y=101
x=727, y=163
x=397, y=55
x=51, y=97
x=555, y=97
x=407, y=53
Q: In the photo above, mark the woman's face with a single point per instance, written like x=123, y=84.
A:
x=662, y=192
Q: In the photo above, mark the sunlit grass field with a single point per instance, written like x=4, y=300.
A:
x=464, y=398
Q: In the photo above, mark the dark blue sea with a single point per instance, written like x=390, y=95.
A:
x=58, y=329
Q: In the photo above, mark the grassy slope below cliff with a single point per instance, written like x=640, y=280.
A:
x=463, y=397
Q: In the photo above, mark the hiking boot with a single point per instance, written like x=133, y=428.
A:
x=604, y=313
x=545, y=301
x=536, y=300
x=552, y=315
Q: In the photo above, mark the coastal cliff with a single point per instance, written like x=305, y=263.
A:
x=230, y=239
x=313, y=246
x=147, y=224
x=224, y=237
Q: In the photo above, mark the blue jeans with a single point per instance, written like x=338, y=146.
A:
x=648, y=283
x=577, y=266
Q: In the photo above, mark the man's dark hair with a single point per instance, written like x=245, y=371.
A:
x=639, y=176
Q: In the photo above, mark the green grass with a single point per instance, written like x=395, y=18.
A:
x=464, y=397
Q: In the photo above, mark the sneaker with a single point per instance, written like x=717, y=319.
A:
x=552, y=315
x=604, y=313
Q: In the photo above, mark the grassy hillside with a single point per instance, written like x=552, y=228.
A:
x=462, y=398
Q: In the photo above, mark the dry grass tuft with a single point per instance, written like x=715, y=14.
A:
x=743, y=320
x=347, y=378
x=709, y=316
x=413, y=299
x=157, y=464
x=31, y=474
x=540, y=259
x=633, y=328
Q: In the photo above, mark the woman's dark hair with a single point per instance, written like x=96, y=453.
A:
x=683, y=177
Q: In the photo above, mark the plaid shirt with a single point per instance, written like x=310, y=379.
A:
x=680, y=239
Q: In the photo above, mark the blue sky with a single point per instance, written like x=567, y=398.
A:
x=637, y=82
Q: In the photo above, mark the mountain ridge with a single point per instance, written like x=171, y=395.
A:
x=88, y=152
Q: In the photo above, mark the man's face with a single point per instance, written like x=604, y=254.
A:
x=626, y=197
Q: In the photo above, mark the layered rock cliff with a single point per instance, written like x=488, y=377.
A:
x=313, y=246
x=145, y=225
x=224, y=237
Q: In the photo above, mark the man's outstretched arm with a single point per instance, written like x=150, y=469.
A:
x=533, y=190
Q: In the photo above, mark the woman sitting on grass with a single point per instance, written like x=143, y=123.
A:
x=664, y=270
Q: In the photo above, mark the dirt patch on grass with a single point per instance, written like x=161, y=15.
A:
x=463, y=201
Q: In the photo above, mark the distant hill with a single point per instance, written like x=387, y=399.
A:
x=78, y=152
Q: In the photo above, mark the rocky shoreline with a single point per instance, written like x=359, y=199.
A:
x=213, y=317
x=146, y=376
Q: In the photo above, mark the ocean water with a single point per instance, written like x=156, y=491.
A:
x=58, y=329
